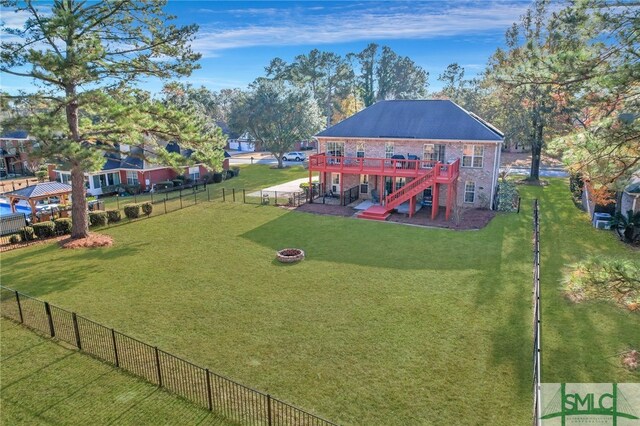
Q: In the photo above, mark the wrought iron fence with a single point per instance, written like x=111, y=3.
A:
x=537, y=317
x=197, y=384
x=350, y=195
x=261, y=197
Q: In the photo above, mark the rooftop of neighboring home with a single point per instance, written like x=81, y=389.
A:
x=415, y=119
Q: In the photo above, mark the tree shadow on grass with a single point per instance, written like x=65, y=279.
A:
x=61, y=274
x=379, y=245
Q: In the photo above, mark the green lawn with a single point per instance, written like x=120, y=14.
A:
x=45, y=383
x=381, y=324
x=251, y=178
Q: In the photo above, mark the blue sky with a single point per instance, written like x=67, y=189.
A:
x=238, y=39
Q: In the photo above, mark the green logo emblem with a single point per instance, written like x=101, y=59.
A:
x=591, y=403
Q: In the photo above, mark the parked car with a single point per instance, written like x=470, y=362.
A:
x=294, y=156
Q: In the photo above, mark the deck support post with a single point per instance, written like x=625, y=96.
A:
x=449, y=200
x=310, y=192
x=412, y=206
x=436, y=200
x=341, y=186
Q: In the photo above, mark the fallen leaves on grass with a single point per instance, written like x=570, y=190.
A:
x=631, y=359
x=93, y=240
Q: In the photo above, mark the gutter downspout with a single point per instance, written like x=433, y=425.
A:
x=496, y=167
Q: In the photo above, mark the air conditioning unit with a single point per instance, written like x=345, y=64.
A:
x=603, y=224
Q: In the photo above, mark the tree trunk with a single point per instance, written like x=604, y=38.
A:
x=279, y=158
x=536, y=148
x=80, y=224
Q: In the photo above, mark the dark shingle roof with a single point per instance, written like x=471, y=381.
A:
x=418, y=119
x=42, y=189
x=15, y=134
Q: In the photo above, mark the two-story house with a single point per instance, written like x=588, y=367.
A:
x=411, y=151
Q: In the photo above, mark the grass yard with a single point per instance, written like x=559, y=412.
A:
x=381, y=324
x=251, y=178
x=47, y=384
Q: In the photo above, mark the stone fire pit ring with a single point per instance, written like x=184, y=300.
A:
x=290, y=255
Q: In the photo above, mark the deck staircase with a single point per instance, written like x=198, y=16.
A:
x=393, y=200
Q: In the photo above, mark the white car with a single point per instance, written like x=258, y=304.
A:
x=294, y=156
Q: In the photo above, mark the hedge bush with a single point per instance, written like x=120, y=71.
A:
x=114, y=216
x=44, y=229
x=147, y=208
x=177, y=182
x=15, y=239
x=63, y=225
x=507, y=197
x=98, y=218
x=27, y=233
x=132, y=211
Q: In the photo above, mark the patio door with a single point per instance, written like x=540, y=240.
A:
x=364, y=184
x=335, y=183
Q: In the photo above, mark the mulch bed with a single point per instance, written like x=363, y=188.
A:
x=471, y=219
x=93, y=240
x=327, y=209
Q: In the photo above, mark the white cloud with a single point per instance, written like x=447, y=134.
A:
x=400, y=21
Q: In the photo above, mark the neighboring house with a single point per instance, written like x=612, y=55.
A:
x=128, y=166
x=14, y=149
x=630, y=197
x=450, y=157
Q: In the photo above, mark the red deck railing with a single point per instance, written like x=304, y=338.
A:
x=384, y=166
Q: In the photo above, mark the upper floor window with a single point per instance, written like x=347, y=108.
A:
x=360, y=150
x=388, y=149
x=335, y=149
x=434, y=152
x=472, y=155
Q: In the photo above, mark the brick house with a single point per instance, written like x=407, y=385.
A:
x=14, y=153
x=431, y=152
x=129, y=166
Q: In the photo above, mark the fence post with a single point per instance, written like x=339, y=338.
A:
x=269, y=409
x=135, y=198
x=195, y=197
x=115, y=347
x=206, y=371
x=118, y=201
x=233, y=191
x=208, y=195
x=224, y=197
x=19, y=306
x=181, y=199
x=76, y=330
x=165, y=206
x=47, y=309
x=158, y=367
x=151, y=197
x=276, y=202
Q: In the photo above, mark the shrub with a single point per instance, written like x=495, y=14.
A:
x=147, y=208
x=41, y=175
x=63, y=225
x=27, y=233
x=177, y=182
x=44, y=229
x=217, y=177
x=98, y=218
x=599, y=278
x=114, y=216
x=507, y=197
x=132, y=211
x=164, y=185
x=229, y=174
x=15, y=239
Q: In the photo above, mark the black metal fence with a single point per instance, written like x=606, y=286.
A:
x=350, y=195
x=276, y=198
x=197, y=384
x=537, y=318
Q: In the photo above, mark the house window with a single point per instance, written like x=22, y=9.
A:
x=113, y=179
x=434, y=152
x=97, y=182
x=388, y=149
x=64, y=177
x=335, y=178
x=335, y=148
x=360, y=150
x=472, y=155
x=132, y=178
x=194, y=173
x=364, y=184
x=469, y=192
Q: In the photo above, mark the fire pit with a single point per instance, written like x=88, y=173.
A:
x=290, y=255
